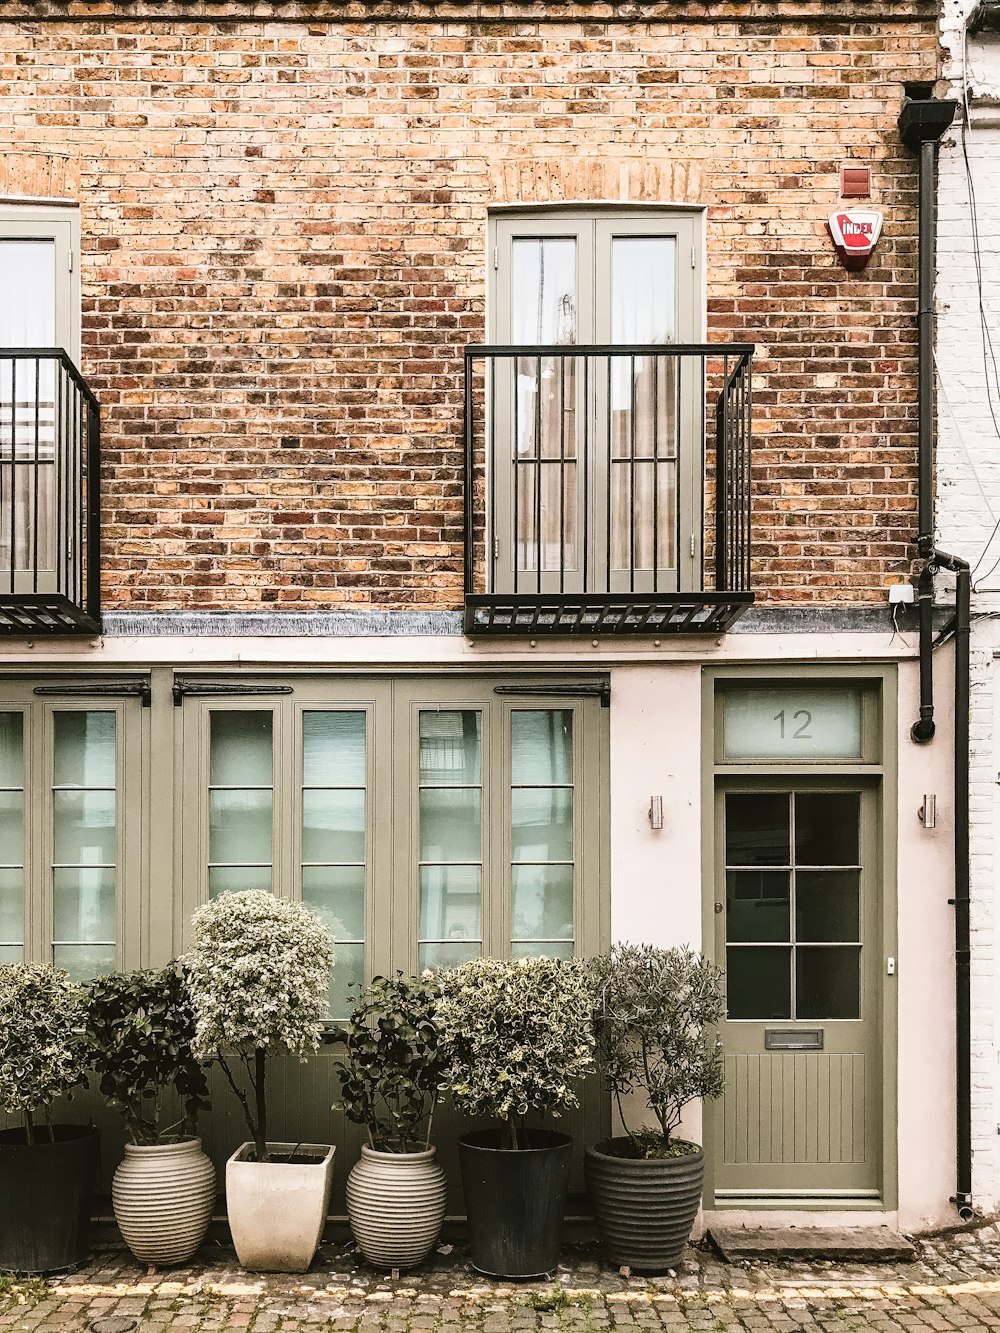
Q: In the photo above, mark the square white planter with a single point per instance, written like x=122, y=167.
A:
x=277, y=1209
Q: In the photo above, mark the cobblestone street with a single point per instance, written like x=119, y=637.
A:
x=954, y=1284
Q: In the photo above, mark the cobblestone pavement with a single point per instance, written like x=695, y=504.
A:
x=954, y=1284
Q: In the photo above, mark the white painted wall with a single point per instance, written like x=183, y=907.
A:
x=656, y=747
x=968, y=484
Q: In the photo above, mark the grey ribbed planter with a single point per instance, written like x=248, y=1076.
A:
x=163, y=1195
x=644, y=1209
x=395, y=1202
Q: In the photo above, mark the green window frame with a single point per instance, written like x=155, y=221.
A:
x=347, y=831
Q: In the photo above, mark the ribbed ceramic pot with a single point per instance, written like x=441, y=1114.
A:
x=163, y=1196
x=644, y=1208
x=395, y=1202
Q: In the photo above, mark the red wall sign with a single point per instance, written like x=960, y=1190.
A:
x=855, y=233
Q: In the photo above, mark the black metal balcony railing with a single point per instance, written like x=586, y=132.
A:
x=49, y=495
x=607, y=488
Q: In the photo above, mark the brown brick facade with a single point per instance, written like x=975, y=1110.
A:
x=284, y=255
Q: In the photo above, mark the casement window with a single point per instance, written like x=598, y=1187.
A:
x=70, y=828
x=595, y=459
x=426, y=822
x=48, y=417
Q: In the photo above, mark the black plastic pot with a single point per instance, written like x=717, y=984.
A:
x=644, y=1208
x=45, y=1194
x=514, y=1201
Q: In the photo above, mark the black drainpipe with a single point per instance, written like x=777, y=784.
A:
x=922, y=121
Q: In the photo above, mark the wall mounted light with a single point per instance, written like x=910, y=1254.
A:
x=927, y=813
x=656, y=812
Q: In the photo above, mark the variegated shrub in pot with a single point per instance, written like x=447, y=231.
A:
x=46, y=1169
x=390, y=1076
x=656, y=1012
x=258, y=972
x=517, y=1035
x=140, y=1029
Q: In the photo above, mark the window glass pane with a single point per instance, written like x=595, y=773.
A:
x=759, y=982
x=83, y=961
x=541, y=824
x=450, y=746
x=348, y=974
x=827, y=905
x=239, y=827
x=337, y=895
x=238, y=879
x=11, y=953
x=333, y=825
x=643, y=289
x=11, y=828
x=542, y=903
x=827, y=828
x=827, y=982
x=439, y=956
x=84, y=905
x=84, y=827
x=28, y=284
x=450, y=824
x=11, y=750
x=757, y=829
x=84, y=842
x=541, y=743
x=544, y=290
x=240, y=749
x=333, y=749
x=84, y=749
x=450, y=903
x=541, y=949
x=11, y=905
x=757, y=906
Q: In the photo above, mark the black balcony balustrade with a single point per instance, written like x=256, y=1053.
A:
x=607, y=488
x=49, y=495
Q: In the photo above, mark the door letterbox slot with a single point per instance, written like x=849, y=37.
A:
x=793, y=1039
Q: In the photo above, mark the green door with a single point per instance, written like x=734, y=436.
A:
x=797, y=913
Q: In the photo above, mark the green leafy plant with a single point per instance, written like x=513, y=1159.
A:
x=258, y=973
x=655, y=1014
x=391, y=1071
x=140, y=1028
x=43, y=1052
x=516, y=1033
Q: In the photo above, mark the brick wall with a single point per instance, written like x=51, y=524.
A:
x=284, y=255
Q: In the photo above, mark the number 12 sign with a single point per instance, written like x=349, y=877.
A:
x=792, y=722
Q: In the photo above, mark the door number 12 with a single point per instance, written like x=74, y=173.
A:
x=802, y=732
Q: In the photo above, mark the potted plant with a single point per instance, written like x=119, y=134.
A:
x=516, y=1034
x=655, y=1016
x=258, y=974
x=390, y=1076
x=46, y=1170
x=140, y=1027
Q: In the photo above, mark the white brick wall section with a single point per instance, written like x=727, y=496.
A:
x=968, y=506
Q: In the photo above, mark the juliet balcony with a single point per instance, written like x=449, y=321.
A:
x=607, y=488
x=49, y=496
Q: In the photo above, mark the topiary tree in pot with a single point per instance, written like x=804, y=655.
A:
x=517, y=1035
x=140, y=1030
x=46, y=1169
x=258, y=972
x=656, y=1014
x=390, y=1077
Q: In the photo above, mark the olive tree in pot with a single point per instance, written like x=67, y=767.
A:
x=46, y=1170
x=390, y=1075
x=140, y=1028
x=258, y=972
x=655, y=1017
x=516, y=1034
